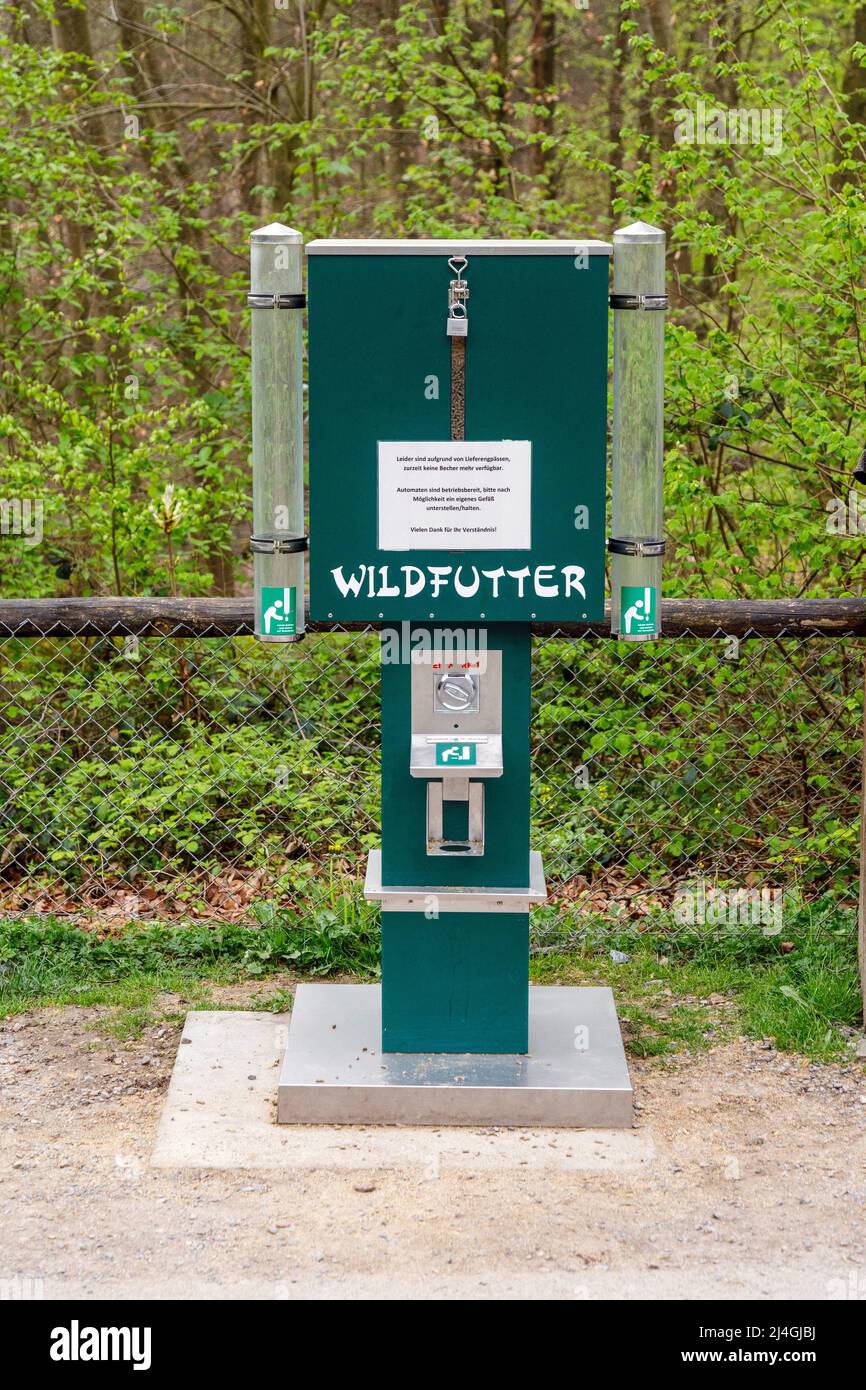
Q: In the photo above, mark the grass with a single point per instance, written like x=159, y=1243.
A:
x=46, y=961
x=680, y=988
x=684, y=988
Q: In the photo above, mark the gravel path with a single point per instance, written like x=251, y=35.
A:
x=758, y=1188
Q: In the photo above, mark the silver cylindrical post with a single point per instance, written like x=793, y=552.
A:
x=278, y=541
x=636, y=543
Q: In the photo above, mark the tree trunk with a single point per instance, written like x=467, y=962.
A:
x=542, y=47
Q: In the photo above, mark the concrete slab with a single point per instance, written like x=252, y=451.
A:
x=574, y=1074
x=220, y=1113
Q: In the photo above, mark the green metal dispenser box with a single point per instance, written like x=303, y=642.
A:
x=457, y=490
x=458, y=393
x=508, y=534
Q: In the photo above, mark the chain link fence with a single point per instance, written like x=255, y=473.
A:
x=201, y=778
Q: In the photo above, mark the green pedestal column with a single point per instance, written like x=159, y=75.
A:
x=456, y=981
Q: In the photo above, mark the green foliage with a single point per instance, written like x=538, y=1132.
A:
x=765, y=372
x=679, y=988
x=124, y=219
x=688, y=987
x=44, y=960
x=331, y=937
x=698, y=763
x=136, y=763
x=121, y=369
x=168, y=762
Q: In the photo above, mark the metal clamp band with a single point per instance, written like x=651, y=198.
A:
x=277, y=301
x=638, y=301
x=642, y=548
x=278, y=545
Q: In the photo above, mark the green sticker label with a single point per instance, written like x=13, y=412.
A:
x=455, y=754
x=637, y=609
x=278, y=612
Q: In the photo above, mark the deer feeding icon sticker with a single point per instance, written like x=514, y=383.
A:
x=455, y=755
x=637, y=609
x=278, y=612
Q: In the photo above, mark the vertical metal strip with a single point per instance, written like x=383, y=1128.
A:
x=458, y=388
x=458, y=293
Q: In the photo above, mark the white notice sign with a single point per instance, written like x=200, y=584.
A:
x=455, y=495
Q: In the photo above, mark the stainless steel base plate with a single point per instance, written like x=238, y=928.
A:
x=574, y=1075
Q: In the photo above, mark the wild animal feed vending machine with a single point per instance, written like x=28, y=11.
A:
x=457, y=443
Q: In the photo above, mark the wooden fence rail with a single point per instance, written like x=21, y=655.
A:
x=233, y=617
